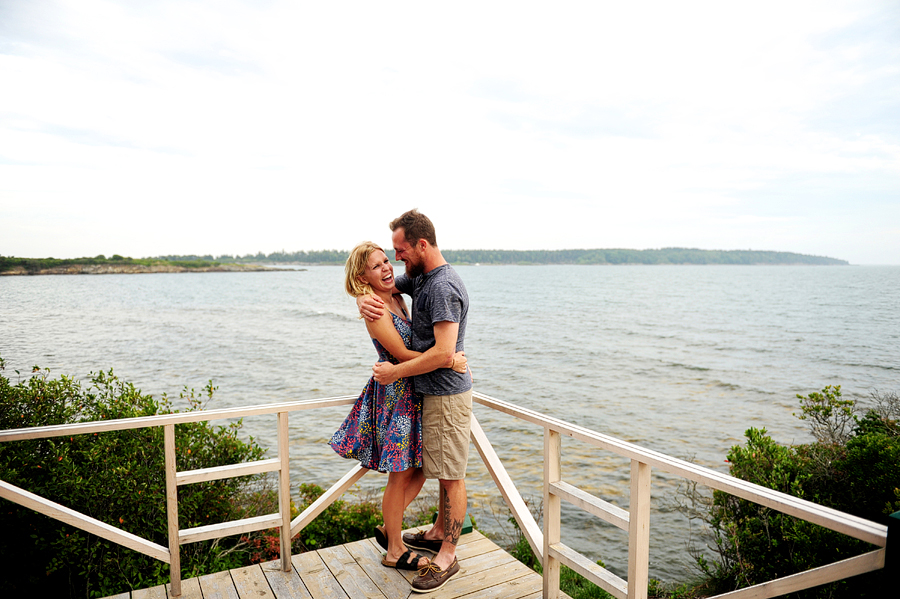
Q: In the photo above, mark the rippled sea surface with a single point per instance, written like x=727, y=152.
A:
x=680, y=359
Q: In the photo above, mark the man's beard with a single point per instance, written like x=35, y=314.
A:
x=414, y=269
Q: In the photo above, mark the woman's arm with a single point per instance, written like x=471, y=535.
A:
x=384, y=331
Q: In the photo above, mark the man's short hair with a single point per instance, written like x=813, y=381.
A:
x=416, y=226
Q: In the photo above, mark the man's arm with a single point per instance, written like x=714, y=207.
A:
x=372, y=308
x=438, y=356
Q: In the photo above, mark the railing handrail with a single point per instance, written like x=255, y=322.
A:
x=546, y=543
x=120, y=424
x=176, y=535
x=851, y=525
x=637, y=519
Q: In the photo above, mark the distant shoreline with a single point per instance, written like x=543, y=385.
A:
x=136, y=269
x=254, y=262
x=536, y=257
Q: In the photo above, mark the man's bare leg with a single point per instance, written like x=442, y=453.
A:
x=436, y=532
x=451, y=514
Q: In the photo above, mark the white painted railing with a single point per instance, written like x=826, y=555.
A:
x=176, y=537
x=547, y=543
x=637, y=519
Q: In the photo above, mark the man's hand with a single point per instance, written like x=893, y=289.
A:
x=371, y=307
x=459, y=363
x=385, y=373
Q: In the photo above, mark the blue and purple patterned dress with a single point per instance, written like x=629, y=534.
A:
x=384, y=428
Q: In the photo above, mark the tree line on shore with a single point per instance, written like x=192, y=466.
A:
x=487, y=257
x=526, y=257
x=36, y=265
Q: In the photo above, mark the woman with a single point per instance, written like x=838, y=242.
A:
x=384, y=428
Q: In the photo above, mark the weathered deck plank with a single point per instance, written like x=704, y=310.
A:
x=349, y=574
x=368, y=555
x=480, y=583
x=158, y=592
x=319, y=580
x=486, y=561
x=218, y=586
x=250, y=582
x=190, y=589
x=354, y=571
x=286, y=585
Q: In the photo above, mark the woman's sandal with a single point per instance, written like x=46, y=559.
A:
x=381, y=537
x=407, y=561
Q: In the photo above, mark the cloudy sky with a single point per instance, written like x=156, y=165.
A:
x=148, y=127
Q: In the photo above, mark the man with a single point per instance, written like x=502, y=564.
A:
x=440, y=308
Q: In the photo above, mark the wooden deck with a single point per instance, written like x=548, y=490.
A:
x=354, y=571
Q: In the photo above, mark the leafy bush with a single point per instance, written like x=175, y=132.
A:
x=854, y=466
x=116, y=477
x=571, y=582
x=341, y=522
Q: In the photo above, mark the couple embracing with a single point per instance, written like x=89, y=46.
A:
x=412, y=420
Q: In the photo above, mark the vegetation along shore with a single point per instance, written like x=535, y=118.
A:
x=101, y=265
x=536, y=257
x=10, y=265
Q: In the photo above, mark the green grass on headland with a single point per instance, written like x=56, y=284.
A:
x=117, y=265
x=35, y=265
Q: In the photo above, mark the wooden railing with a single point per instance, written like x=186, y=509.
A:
x=637, y=519
x=546, y=543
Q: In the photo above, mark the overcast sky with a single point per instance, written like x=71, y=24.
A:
x=226, y=127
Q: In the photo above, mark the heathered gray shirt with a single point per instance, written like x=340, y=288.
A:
x=437, y=296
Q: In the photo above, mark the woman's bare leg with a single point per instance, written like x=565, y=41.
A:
x=413, y=487
x=401, y=489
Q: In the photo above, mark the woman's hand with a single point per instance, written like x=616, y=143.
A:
x=459, y=362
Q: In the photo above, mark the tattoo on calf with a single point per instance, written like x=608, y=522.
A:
x=452, y=528
x=455, y=530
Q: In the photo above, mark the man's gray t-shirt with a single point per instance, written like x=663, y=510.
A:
x=437, y=296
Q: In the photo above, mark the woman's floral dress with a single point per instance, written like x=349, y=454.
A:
x=384, y=428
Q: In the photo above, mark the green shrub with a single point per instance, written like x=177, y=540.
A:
x=854, y=466
x=116, y=477
x=341, y=522
x=571, y=582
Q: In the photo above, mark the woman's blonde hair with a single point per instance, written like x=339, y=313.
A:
x=355, y=266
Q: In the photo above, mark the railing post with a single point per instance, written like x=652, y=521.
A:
x=172, y=510
x=284, y=491
x=550, y=564
x=639, y=531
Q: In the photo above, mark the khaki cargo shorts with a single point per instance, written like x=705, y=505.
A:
x=446, y=422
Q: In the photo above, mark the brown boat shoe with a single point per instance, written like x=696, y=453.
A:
x=431, y=577
x=417, y=540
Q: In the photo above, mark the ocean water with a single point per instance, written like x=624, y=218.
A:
x=680, y=359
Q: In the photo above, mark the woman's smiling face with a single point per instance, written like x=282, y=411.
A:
x=379, y=273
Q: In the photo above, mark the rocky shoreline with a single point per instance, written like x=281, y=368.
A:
x=136, y=269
